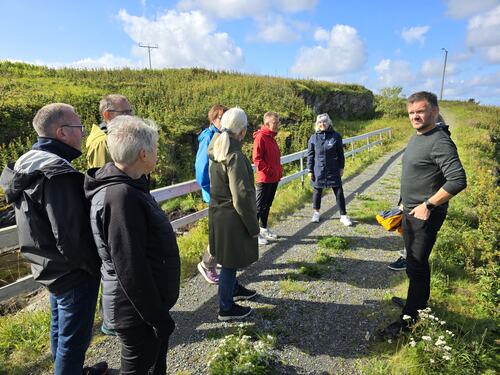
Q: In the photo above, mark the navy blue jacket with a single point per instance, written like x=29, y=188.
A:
x=325, y=158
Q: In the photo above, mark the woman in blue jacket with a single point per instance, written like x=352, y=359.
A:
x=325, y=161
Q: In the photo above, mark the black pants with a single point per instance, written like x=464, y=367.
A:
x=265, y=197
x=142, y=352
x=339, y=195
x=419, y=238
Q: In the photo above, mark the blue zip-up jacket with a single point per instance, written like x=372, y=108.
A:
x=201, y=162
x=325, y=158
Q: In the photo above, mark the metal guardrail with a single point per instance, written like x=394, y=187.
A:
x=9, y=238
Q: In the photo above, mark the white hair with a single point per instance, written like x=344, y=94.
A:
x=323, y=117
x=128, y=135
x=233, y=121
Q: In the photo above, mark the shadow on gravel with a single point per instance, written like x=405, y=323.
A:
x=355, y=242
x=330, y=328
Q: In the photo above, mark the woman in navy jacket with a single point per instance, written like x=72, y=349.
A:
x=325, y=161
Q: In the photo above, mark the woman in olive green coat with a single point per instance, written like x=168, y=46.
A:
x=232, y=214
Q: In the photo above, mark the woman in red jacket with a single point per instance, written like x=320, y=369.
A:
x=266, y=157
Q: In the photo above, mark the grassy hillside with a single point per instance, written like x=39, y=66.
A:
x=177, y=99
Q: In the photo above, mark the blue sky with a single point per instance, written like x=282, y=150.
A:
x=374, y=43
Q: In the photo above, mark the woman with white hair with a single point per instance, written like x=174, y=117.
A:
x=140, y=258
x=325, y=162
x=232, y=214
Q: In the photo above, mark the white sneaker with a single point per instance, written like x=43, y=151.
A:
x=262, y=240
x=268, y=234
x=315, y=218
x=344, y=219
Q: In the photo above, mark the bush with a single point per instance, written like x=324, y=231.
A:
x=388, y=103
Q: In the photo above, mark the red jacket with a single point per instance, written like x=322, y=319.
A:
x=266, y=156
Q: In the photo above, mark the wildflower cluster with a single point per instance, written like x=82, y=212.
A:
x=240, y=354
x=431, y=340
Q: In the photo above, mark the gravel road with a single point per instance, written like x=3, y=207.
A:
x=325, y=329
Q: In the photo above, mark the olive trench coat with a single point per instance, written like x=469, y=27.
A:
x=232, y=213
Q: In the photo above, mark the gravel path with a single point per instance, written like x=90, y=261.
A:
x=324, y=330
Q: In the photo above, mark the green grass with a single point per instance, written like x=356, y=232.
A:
x=465, y=273
x=333, y=243
x=290, y=285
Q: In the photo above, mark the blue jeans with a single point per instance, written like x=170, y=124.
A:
x=228, y=286
x=72, y=317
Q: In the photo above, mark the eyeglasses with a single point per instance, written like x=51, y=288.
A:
x=125, y=111
x=82, y=129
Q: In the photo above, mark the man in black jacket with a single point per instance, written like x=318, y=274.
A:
x=432, y=174
x=53, y=224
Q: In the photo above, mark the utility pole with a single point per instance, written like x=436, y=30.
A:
x=444, y=70
x=149, y=47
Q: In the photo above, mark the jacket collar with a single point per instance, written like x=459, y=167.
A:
x=59, y=148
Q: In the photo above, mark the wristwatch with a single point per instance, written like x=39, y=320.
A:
x=429, y=205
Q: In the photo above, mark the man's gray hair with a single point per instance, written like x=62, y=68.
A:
x=50, y=117
x=128, y=135
x=109, y=101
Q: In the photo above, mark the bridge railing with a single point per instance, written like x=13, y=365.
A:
x=9, y=238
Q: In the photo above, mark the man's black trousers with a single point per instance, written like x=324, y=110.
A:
x=419, y=238
x=265, y=197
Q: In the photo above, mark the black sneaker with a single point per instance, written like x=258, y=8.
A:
x=399, y=302
x=393, y=330
x=244, y=293
x=399, y=265
x=236, y=312
x=100, y=368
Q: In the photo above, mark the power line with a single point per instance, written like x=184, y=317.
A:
x=149, y=47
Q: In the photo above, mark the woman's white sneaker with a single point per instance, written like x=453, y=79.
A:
x=315, y=218
x=268, y=234
x=344, y=219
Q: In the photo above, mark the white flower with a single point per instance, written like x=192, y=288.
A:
x=406, y=317
x=427, y=310
x=426, y=338
x=413, y=343
x=270, y=338
x=431, y=360
x=447, y=348
x=440, y=342
x=442, y=322
x=447, y=357
x=431, y=317
x=441, y=337
x=389, y=341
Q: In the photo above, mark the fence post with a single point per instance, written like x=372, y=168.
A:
x=301, y=169
x=380, y=136
x=352, y=149
x=368, y=142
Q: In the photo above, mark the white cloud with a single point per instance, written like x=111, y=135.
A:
x=275, y=30
x=293, y=6
x=344, y=52
x=106, y=61
x=493, y=54
x=434, y=68
x=414, y=34
x=233, y=9
x=185, y=39
x=468, y=8
x=321, y=35
x=226, y=8
x=484, y=29
x=394, y=73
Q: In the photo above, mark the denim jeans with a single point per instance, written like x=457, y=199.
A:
x=228, y=286
x=72, y=317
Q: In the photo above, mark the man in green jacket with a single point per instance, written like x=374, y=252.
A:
x=110, y=106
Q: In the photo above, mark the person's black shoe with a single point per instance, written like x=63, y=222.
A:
x=244, y=293
x=399, y=302
x=236, y=312
x=398, y=265
x=393, y=330
x=100, y=368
